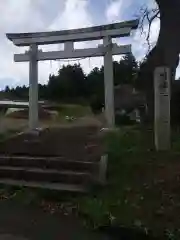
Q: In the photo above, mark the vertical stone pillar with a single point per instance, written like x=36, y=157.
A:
x=33, y=87
x=162, y=78
x=109, y=83
x=69, y=46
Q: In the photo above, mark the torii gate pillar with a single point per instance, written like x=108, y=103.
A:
x=33, y=87
x=109, y=83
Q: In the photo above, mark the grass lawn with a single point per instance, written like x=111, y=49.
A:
x=143, y=185
x=73, y=110
x=143, y=188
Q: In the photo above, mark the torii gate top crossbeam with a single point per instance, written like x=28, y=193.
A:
x=75, y=35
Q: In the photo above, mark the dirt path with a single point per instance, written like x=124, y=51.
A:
x=21, y=222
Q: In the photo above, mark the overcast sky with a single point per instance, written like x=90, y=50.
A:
x=46, y=15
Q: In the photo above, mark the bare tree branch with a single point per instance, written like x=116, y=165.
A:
x=147, y=16
x=150, y=20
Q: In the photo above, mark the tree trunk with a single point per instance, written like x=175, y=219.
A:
x=166, y=52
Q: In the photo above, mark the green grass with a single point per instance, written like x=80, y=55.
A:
x=124, y=154
x=143, y=186
x=73, y=110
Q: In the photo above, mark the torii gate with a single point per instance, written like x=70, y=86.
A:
x=69, y=37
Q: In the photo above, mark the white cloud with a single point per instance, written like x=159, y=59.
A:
x=13, y=13
x=19, y=16
x=75, y=15
x=116, y=9
x=16, y=16
x=113, y=10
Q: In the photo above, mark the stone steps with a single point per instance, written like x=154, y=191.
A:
x=43, y=175
x=58, y=163
x=44, y=185
x=55, y=173
x=67, y=157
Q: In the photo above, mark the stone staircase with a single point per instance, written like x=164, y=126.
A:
x=52, y=173
x=53, y=160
